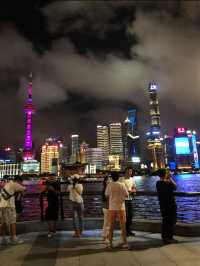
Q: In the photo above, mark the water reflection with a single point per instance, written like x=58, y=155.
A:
x=146, y=207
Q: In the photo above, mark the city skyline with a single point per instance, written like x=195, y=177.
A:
x=92, y=68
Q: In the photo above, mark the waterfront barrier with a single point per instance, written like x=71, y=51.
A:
x=146, y=212
x=145, y=206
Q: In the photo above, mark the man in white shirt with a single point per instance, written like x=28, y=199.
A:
x=129, y=182
x=7, y=209
x=117, y=193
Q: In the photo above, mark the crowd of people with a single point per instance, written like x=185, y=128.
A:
x=117, y=205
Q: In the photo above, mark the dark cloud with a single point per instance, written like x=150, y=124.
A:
x=105, y=53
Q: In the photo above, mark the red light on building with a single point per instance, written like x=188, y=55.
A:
x=181, y=130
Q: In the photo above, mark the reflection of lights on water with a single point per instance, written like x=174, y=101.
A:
x=184, y=176
x=138, y=177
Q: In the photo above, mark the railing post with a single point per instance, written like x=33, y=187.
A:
x=41, y=207
x=61, y=207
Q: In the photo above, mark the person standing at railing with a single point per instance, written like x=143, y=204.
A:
x=105, y=202
x=51, y=213
x=75, y=195
x=117, y=193
x=8, y=210
x=129, y=182
x=165, y=188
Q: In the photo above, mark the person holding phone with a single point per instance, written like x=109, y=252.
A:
x=165, y=188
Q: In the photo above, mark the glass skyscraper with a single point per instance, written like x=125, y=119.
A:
x=116, y=144
x=103, y=141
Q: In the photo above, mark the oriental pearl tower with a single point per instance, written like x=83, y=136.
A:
x=29, y=110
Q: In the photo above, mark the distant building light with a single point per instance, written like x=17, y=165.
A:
x=148, y=133
x=8, y=149
x=74, y=136
x=181, y=130
x=100, y=126
x=153, y=87
x=194, y=132
x=144, y=166
x=133, y=137
x=156, y=132
x=115, y=124
x=136, y=159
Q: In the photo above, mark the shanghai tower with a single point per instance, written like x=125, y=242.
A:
x=29, y=110
x=154, y=139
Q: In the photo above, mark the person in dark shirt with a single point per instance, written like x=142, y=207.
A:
x=165, y=188
x=51, y=213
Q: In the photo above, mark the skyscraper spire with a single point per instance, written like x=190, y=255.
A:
x=29, y=111
x=154, y=139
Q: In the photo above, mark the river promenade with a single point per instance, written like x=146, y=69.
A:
x=146, y=249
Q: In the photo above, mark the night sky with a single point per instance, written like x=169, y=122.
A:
x=92, y=60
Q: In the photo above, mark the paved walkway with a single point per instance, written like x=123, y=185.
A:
x=63, y=250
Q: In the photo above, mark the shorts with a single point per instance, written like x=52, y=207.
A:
x=7, y=216
x=117, y=215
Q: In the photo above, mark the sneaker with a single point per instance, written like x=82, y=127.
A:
x=130, y=234
x=109, y=246
x=106, y=241
x=170, y=241
x=4, y=242
x=50, y=235
x=124, y=247
x=76, y=234
x=16, y=241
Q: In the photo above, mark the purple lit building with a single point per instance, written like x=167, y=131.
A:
x=29, y=109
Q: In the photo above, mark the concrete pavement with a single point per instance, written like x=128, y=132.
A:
x=63, y=250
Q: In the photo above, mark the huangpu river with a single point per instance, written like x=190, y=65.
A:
x=145, y=207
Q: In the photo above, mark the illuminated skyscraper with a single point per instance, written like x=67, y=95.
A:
x=103, y=141
x=116, y=144
x=126, y=130
x=94, y=156
x=50, y=156
x=131, y=140
x=83, y=150
x=29, y=109
x=75, y=155
x=154, y=145
x=186, y=153
x=132, y=117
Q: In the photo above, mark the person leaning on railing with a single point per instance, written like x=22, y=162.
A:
x=165, y=188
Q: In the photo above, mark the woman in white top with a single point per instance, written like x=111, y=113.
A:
x=75, y=195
